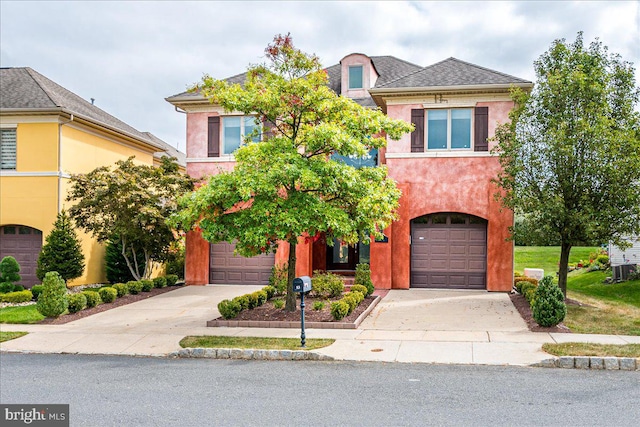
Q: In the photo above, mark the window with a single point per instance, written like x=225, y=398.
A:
x=235, y=129
x=449, y=129
x=369, y=160
x=356, y=77
x=8, y=149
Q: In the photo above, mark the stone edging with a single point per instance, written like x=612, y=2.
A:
x=247, y=354
x=289, y=324
x=592, y=362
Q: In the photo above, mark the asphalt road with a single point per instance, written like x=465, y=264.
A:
x=126, y=391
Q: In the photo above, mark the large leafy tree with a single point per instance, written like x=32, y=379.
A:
x=62, y=251
x=132, y=202
x=571, y=153
x=288, y=185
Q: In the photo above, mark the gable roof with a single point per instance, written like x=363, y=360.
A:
x=25, y=90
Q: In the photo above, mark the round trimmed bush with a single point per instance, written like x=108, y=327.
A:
x=108, y=294
x=6, y=287
x=229, y=309
x=160, y=282
x=360, y=288
x=359, y=296
x=171, y=279
x=262, y=297
x=326, y=285
x=549, y=308
x=77, y=302
x=253, y=300
x=17, y=297
x=243, y=300
x=351, y=300
x=52, y=302
x=147, y=285
x=135, y=287
x=270, y=290
x=93, y=298
x=121, y=288
x=339, y=309
x=36, y=290
x=318, y=305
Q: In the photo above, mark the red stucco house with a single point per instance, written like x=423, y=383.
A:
x=451, y=232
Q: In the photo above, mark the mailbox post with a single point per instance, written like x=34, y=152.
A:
x=302, y=285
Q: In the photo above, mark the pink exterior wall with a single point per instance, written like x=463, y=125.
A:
x=369, y=75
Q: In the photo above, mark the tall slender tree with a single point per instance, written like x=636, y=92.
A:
x=288, y=185
x=571, y=153
x=62, y=251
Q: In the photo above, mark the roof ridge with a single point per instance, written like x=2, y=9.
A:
x=32, y=73
x=397, y=59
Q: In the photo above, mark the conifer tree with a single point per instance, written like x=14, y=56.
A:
x=61, y=251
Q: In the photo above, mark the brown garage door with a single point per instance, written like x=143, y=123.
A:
x=449, y=251
x=228, y=269
x=24, y=244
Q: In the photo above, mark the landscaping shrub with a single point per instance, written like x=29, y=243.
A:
x=18, y=288
x=339, y=309
x=530, y=296
x=521, y=281
x=108, y=294
x=93, y=298
x=147, y=285
x=77, y=302
x=52, y=302
x=243, y=300
x=351, y=300
x=171, y=279
x=318, y=305
x=135, y=287
x=121, y=288
x=363, y=277
x=603, y=260
x=6, y=287
x=361, y=289
x=229, y=309
x=326, y=285
x=9, y=269
x=36, y=290
x=160, y=282
x=278, y=303
x=175, y=259
x=549, y=308
x=278, y=278
x=359, y=296
x=17, y=297
x=270, y=290
x=262, y=297
x=62, y=251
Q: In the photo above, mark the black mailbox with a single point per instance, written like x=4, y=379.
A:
x=302, y=284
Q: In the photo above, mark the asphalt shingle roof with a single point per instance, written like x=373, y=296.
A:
x=25, y=88
x=451, y=72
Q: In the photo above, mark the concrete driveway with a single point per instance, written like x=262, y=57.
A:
x=445, y=310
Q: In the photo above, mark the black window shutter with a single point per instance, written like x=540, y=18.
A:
x=417, y=136
x=213, y=137
x=481, y=129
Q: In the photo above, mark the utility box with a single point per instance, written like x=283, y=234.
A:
x=536, y=273
x=302, y=284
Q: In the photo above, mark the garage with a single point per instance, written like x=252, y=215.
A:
x=449, y=250
x=229, y=269
x=24, y=244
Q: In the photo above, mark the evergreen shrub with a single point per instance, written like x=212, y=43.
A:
x=77, y=302
x=108, y=294
x=52, y=302
x=549, y=308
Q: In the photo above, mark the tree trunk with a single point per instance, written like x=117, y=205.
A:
x=134, y=272
x=291, y=274
x=565, y=248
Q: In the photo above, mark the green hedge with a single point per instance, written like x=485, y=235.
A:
x=17, y=297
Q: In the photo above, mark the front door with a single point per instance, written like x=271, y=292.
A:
x=341, y=256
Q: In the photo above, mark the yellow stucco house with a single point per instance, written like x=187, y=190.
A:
x=49, y=133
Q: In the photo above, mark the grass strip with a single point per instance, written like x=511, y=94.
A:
x=261, y=343
x=25, y=314
x=6, y=336
x=587, y=349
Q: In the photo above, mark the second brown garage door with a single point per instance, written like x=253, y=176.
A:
x=24, y=244
x=229, y=269
x=449, y=251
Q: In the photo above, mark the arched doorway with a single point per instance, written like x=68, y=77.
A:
x=449, y=250
x=24, y=244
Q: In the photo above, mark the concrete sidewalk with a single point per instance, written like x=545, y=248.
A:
x=414, y=326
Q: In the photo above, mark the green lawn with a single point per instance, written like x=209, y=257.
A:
x=253, y=342
x=22, y=314
x=599, y=350
x=6, y=336
x=547, y=257
x=590, y=284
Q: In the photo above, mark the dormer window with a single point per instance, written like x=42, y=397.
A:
x=356, y=76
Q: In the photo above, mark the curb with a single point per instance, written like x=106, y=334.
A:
x=295, y=324
x=247, y=354
x=591, y=362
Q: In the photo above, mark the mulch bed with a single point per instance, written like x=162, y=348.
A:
x=522, y=305
x=267, y=312
x=127, y=299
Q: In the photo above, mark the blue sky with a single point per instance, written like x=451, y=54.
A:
x=131, y=55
